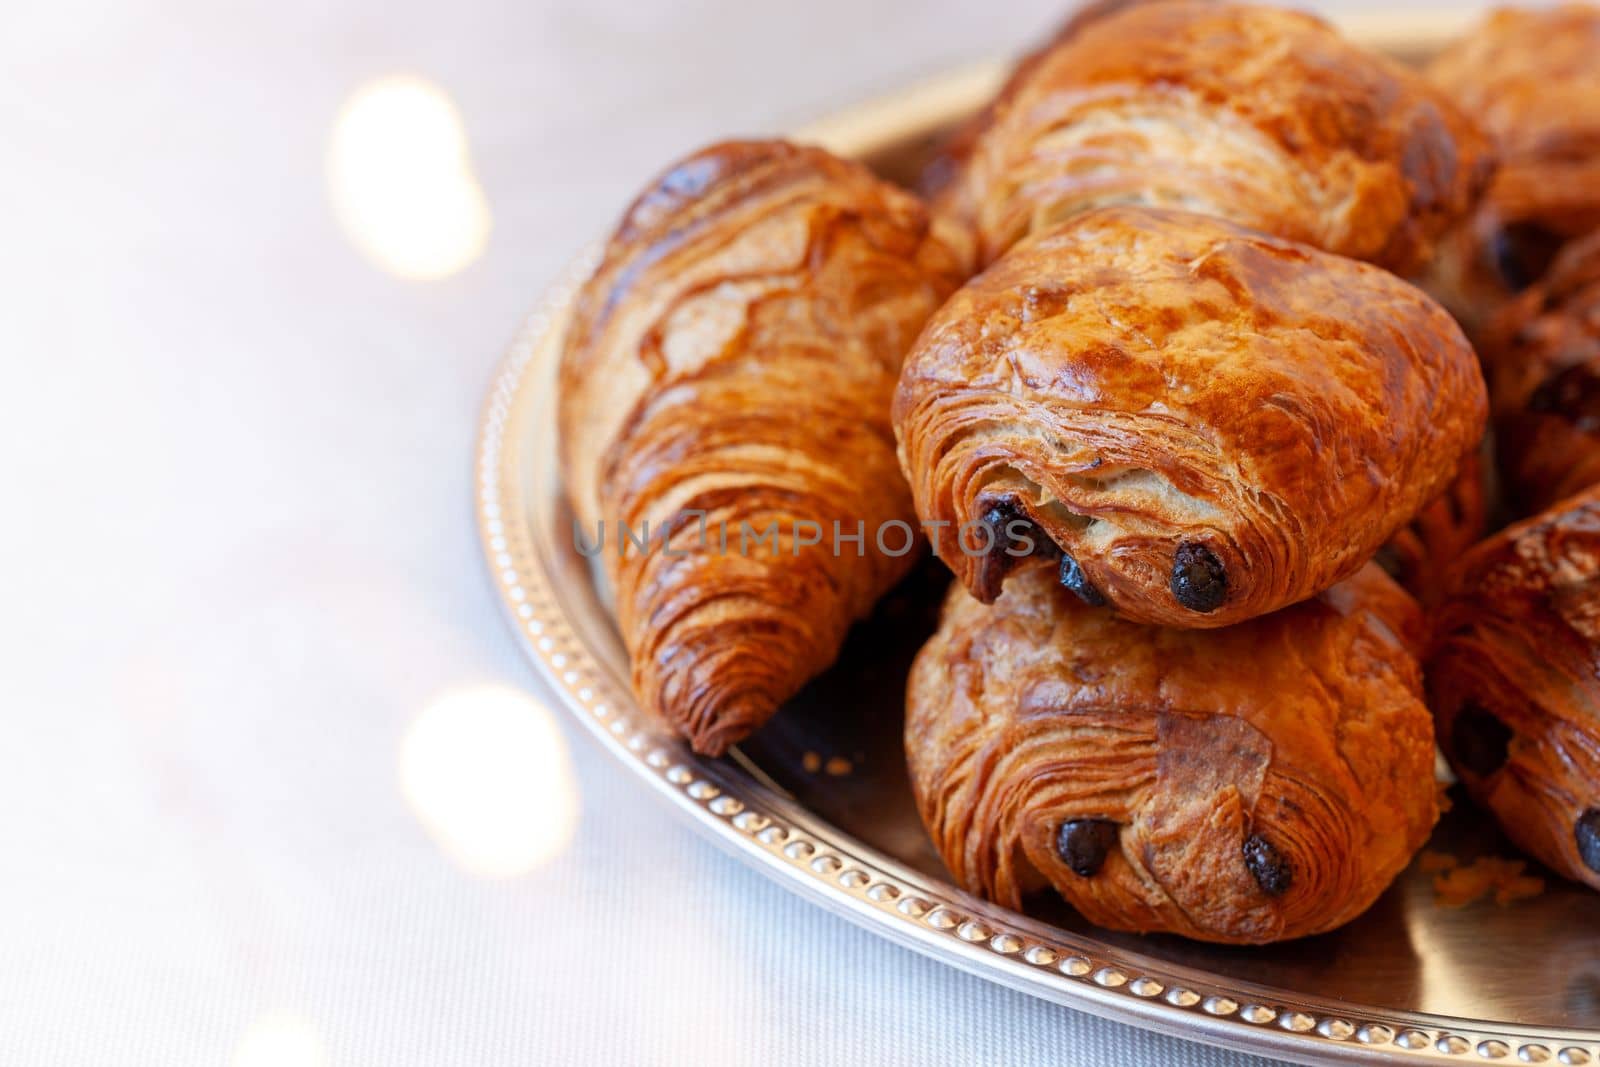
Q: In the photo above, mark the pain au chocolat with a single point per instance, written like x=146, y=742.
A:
x=1541, y=355
x=1266, y=117
x=1158, y=788
x=1199, y=423
x=728, y=372
x=1514, y=682
x=1531, y=78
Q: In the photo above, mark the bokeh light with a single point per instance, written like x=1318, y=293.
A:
x=401, y=181
x=277, y=1040
x=486, y=771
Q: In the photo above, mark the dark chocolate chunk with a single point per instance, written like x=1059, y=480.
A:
x=995, y=564
x=991, y=571
x=1587, y=831
x=1073, y=578
x=1522, y=252
x=1001, y=512
x=1083, y=844
x=1479, y=741
x=1011, y=524
x=1005, y=517
x=1572, y=393
x=1198, y=580
x=1272, y=872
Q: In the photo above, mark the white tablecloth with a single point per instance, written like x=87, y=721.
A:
x=254, y=789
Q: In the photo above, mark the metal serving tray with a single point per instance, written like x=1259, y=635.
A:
x=819, y=801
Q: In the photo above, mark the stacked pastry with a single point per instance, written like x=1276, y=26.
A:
x=1158, y=440
x=1190, y=380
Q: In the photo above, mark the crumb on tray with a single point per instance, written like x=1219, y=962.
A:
x=1432, y=862
x=1456, y=886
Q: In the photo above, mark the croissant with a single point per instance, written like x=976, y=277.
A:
x=1532, y=79
x=1157, y=789
x=724, y=410
x=1200, y=423
x=1514, y=682
x=1542, y=359
x=1261, y=116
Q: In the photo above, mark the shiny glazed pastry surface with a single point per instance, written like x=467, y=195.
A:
x=1532, y=80
x=1542, y=358
x=1246, y=785
x=1261, y=116
x=1200, y=424
x=731, y=362
x=1514, y=683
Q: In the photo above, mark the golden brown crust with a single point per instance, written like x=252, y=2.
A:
x=1419, y=556
x=1151, y=388
x=1264, y=117
x=734, y=354
x=954, y=152
x=1244, y=805
x=1514, y=682
x=1532, y=79
x=1541, y=354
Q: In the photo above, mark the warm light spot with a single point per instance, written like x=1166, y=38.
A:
x=279, y=1041
x=401, y=182
x=486, y=771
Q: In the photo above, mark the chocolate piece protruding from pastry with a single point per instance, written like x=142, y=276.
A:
x=1156, y=789
x=1514, y=681
x=1280, y=410
x=1541, y=355
x=1532, y=80
x=1587, y=834
x=1198, y=580
x=992, y=567
x=1012, y=537
x=1480, y=741
x=731, y=360
x=1073, y=578
x=1265, y=117
x=1083, y=844
x=1271, y=872
x=1522, y=253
